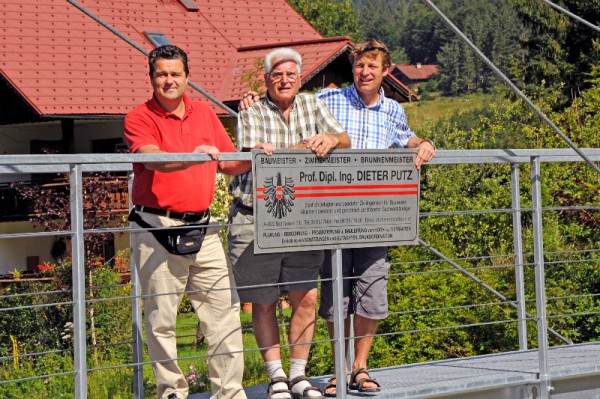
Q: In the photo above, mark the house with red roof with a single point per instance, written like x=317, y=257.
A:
x=413, y=75
x=85, y=61
x=70, y=70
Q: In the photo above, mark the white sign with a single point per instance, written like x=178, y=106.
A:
x=349, y=199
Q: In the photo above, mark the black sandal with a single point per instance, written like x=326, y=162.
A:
x=276, y=380
x=359, y=385
x=304, y=395
x=331, y=385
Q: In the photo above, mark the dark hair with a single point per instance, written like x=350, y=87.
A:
x=168, y=52
x=372, y=48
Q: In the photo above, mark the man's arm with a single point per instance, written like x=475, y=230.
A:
x=426, y=150
x=250, y=125
x=335, y=136
x=175, y=166
x=235, y=168
x=320, y=144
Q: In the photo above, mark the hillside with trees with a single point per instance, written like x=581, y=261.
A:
x=554, y=60
x=538, y=47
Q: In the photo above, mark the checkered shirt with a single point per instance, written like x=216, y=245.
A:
x=264, y=123
x=380, y=126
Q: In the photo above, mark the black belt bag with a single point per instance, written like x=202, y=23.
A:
x=178, y=240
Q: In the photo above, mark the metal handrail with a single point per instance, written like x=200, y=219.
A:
x=78, y=164
x=122, y=162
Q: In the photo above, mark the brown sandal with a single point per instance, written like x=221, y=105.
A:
x=359, y=385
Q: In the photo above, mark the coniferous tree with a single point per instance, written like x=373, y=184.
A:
x=385, y=20
x=558, y=50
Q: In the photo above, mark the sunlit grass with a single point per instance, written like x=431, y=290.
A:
x=424, y=114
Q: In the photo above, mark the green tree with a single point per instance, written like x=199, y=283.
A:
x=483, y=242
x=253, y=77
x=330, y=17
x=383, y=21
x=414, y=33
x=493, y=27
x=457, y=69
x=558, y=51
x=424, y=33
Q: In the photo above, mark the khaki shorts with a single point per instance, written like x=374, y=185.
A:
x=365, y=272
x=273, y=273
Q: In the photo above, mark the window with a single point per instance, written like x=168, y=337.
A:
x=189, y=5
x=157, y=38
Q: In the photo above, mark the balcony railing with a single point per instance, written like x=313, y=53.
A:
x=13, y=207
x=521, y=307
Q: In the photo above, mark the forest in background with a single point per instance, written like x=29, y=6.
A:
x=538, y=47
x=553, y=59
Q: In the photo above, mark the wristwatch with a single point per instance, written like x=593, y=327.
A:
x=429, y=141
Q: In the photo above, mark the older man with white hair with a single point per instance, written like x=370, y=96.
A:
x=283, y=119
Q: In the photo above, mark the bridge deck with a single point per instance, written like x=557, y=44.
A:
x=574, y=372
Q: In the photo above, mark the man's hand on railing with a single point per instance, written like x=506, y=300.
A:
x=268, y=148
x=208, y=149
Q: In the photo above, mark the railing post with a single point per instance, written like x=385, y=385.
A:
x=78, y=273
x=136, y=314
x=518, y=257
x=540, y=284
x=338, y=322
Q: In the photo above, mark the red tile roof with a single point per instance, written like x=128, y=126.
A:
x=417, y=72
x=251, y=23
x=401, y=91
x=66, y=58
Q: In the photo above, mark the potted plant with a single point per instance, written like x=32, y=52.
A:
x=46, y=269
x=16, y=274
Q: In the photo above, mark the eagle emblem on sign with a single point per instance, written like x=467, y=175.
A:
x=279, y=197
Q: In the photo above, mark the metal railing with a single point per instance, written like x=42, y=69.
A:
x=78, y=165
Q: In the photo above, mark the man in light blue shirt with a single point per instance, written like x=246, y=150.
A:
x=373, y=121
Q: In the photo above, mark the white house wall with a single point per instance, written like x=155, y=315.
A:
x=14, y=251
x=86, y=131
x=15, y=139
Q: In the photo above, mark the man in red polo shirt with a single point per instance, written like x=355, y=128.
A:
x=169, y=194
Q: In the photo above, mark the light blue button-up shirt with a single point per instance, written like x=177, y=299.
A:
x=380, y=126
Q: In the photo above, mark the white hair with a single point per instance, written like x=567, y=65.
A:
x=283, y=53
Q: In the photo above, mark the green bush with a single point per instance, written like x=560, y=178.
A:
x=43, y=326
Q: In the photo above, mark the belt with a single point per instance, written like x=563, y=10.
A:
x=238, y=204
x=183, y=216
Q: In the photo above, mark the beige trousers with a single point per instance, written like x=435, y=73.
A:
x=208, y=275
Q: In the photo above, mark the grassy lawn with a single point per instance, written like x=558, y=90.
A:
x=116, y=383
x=424, y=114
x=254, y=369
x=187, y=323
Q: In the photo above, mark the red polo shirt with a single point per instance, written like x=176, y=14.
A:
x=188, y=190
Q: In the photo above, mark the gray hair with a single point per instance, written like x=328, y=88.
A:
x=283, y=53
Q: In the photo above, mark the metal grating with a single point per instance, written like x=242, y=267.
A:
x=574, y=371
